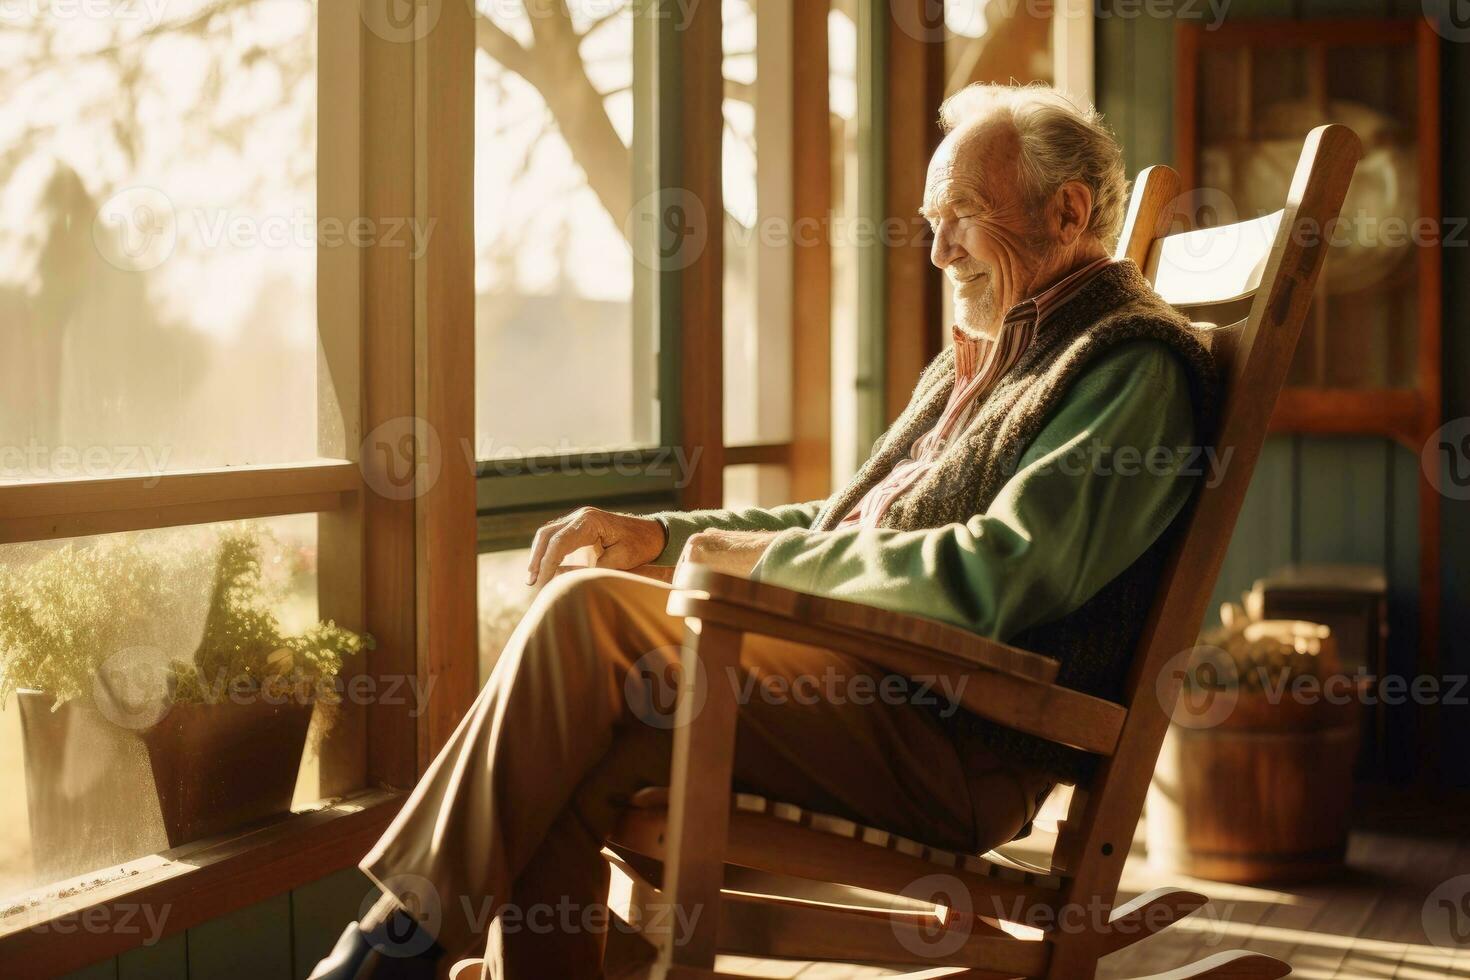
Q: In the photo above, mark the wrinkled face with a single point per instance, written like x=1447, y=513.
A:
x=989, y=241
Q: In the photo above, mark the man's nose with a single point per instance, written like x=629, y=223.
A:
x=945, y=251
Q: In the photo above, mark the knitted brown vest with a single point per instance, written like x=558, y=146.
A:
x=1093, y=643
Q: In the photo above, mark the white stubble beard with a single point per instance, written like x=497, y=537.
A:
x=978, y=317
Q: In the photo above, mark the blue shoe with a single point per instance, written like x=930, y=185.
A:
x=398, y=950
x=346, y=958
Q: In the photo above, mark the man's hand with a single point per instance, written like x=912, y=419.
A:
x=731, y=552
x=621, y=540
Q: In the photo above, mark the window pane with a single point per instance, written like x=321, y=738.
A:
x=504, y=599
x=565, y=353
x=1004, y=43
x=757, y=485
x=157, y=297
x=757, y=189
x=848, y=450
x=167, y=646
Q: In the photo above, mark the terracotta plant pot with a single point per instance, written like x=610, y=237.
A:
x=99, y=793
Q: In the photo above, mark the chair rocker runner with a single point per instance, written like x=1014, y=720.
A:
x=773, y=881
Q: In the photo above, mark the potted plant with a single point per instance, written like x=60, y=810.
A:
x=1255, y=776
x=161, y=700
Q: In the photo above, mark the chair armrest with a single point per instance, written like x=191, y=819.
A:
x=959, y=647
x=1009, y=686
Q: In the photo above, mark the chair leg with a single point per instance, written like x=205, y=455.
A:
x=1149, y=913
x=1076, y=956
x=699, y=800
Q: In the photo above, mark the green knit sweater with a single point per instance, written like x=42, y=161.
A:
x=1044, y=524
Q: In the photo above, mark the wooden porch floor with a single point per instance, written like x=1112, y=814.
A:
x=1366, y=923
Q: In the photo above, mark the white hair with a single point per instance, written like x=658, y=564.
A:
x=1061, y=141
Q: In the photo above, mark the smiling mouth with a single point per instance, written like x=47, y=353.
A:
x=964, y=280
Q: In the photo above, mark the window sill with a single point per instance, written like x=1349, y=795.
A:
x=73, y=923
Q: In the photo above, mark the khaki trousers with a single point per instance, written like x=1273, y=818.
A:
x=507, y=824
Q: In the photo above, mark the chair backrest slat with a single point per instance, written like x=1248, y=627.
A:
x=1210, y=266
x=1254, y=355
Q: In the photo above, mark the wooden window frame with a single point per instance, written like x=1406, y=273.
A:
x=395, y=140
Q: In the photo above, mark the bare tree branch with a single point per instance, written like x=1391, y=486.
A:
x=506, y=50
x=554, y=66
x=739, y=91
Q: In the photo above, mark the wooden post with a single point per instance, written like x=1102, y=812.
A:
x=701, y=282
x=444, y=376
x=811, y=315
x=915, y=90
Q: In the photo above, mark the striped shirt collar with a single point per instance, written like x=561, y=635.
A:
x=1041, y=306
x=972, y=352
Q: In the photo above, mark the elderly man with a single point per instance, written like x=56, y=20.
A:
x=999, y=502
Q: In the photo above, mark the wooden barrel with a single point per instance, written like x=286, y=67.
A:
x=1261, y=796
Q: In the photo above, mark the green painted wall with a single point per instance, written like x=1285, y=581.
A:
x=1340, y=498
x=281, y=938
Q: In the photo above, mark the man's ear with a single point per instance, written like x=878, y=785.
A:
x=1072, y=210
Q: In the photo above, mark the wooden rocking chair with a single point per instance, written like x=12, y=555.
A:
x=772, y=881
